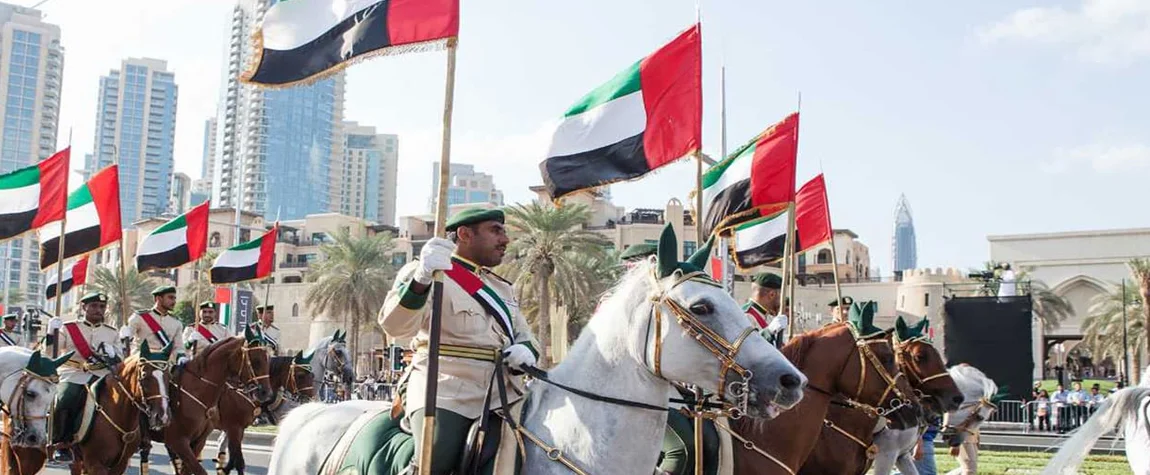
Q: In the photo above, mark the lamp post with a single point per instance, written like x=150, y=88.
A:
x=1125, y=340
x=1059, y=355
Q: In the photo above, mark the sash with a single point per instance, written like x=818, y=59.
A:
x=203, y=331
x=483, y=294
x=78, y=340
x=156, y=328
x=757, y=314
x=7, y=339
x=268, y=338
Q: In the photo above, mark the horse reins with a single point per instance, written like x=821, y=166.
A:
x=974, y=416
x=903, y=347
x=126, y=437
x=17, y=412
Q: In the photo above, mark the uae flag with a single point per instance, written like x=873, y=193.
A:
x=647, y=116
x=251, y=260
x=34, y=196
x=305, y=40
x=75, y=274
x=93, y=219
x=812, y=215
x=177, y=242
x=759, y=175
x=761, y=240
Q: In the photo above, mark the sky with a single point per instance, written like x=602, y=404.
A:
x=992, y=117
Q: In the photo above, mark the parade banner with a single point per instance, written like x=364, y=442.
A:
x=93, y=219
x=177, y=242
x=812, y=214
x=34, y=196
x=305, y=40
x=756, y=180
x=647, y=116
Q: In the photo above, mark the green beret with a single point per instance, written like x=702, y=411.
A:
x=768, y=280
x=163, y=290
x=94, y=297
x=847, y=300
x=11, y=316
x=208, y=304
x=473, y=216
x=261, y=308
x=638, y=252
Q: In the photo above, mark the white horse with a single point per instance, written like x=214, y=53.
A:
x=614, y=356
x=978, y=389
x=330, y=355
x=1130, y=407
x=27, y=390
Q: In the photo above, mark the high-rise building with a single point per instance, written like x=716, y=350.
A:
x=201, y=191
x=903, y=250
x=275, y=148
x=467, y=186
x=206, y=167
x=136, y=126
x=31, y=73
x=367, y=182
x=181, y=197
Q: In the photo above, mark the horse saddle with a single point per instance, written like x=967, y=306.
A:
x=87, y=406
x=380, y=443
x=718, y=459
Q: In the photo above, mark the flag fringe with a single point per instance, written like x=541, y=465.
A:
x=605, y=183
x=257, y=60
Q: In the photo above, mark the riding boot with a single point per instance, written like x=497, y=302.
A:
x=64, y=412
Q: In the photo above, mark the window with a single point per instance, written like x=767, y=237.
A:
x=295, y=309
x=689, y=248
x=824, y=257
x=926, y=299
x=398, y=259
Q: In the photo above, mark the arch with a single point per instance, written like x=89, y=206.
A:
x=1062, y=287
x=824, y=256
x=1080, y=292
x=295, y=309
x=214, y=241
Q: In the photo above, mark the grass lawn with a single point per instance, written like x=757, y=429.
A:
x=1104, y=385
x=999, y=463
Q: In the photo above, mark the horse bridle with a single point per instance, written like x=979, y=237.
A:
x=867, y=358
x=16, y=412
x=142, y=403
x=975, y=415
x=901, y=348
x=725, y=351
x=292, y=384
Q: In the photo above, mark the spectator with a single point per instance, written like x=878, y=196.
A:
x=1118, y=387
x=924, y=458
x=1061, y=411
x=1042, y=410
x=1007, y=287
x=1077, y=399
x=1094, y=398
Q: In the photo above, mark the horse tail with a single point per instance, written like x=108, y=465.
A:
x=292, y=424
x=1109, y=414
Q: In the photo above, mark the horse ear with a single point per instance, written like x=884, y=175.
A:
x=668, y=252
x=699, y=258
x=335, y=336
x=58, y=362
x=901, y=330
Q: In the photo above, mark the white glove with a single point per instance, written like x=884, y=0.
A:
x=54, y=324
x=182, y=359
x=518, y=356
x=125, y=332
x=435, y=256
x=777, y=324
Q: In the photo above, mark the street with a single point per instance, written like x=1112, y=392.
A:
x=257, y=454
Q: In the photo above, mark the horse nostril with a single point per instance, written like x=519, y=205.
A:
x=790, y=381
x=958, y=400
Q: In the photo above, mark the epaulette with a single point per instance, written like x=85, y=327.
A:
x=497, y=276
x=110, y=327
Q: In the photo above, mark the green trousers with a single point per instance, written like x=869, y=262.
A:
x=679, y=446
x=66, y=411
x=450, y=439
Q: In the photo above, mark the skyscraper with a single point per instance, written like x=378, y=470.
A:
x=275, y=148
x=368, y=179
x=181, y=198
x=467, y=186
x=207, y=166
x=903, y=250
x=136, y=125
x=31, y=71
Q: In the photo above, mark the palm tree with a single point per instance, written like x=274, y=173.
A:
x=352, y=280
x=1140, y=271
x=138, y=288
x=1048, y=307
x=593, y=276
x=1102, y=329
x=201, y=288
x=545, y=242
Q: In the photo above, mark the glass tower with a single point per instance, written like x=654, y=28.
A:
x=903, y=250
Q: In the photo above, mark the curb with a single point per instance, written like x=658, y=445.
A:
x=249, y=436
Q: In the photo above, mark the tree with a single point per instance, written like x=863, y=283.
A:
x=352, y=280
x=1140, y=271
x=1102, y=328
x=546, y=242
x=1048, y=307
x=201, y=288
x=138, y=289
x=185, y=312
x=593, y=276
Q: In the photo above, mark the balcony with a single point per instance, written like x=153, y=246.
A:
x=293, y=265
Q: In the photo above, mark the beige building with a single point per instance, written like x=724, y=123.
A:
x=1080, y=266
x=852, y=261
x=365, y=185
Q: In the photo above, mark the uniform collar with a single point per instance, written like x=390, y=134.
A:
x=86, y=322
x=755, y=305
x=157, y=312
x=467, y=264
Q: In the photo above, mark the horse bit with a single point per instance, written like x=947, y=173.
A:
x=903, y=347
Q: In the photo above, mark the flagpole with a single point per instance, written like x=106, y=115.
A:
x=434, y=325
x=725, y=243
x=789, y=253
x=834, y=250
x=123, y=257
x=60, y=251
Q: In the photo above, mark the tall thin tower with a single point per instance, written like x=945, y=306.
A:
x=903, y=249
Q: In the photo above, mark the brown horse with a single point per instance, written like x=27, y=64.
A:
x=198, y=389
x=293, y=375
x=845, y=444
x=20, y=460
x=838, y=363
x=138, y=387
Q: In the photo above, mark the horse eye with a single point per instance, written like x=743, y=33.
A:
x=29, y=394
x=921, y=357
x=702, y=307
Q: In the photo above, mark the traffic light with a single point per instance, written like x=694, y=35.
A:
x=395, y=355
x=33, y=320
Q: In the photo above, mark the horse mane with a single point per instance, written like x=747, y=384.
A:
x=278, y=366
x=797, y=349
x=973, y=383
x=200, y=362
x=620, y=302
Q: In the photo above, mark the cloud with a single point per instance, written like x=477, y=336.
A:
x=1099, y=31
x=1100, y=158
